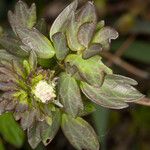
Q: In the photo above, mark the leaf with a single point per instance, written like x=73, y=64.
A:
x=92, y=70
x=23, y=16
x=4, y=55
x=48, y=132
x=101, y=118
x=70, y=94
x=88, y=109
x=122, y=89
x=100, y=25
x=4, y=78
x=93, y=50
x=63, y=17
x=12, y=45
x=33, y=60
x=60, y=44
x=85, y=33
x=11, y=105
x=122, y=79
x=7, y=86
x=8, y=73
x=104, y=36
x=33, y=134
x=86, y=15
x=36, y=42
x=17, y=67
x=99, y=96
x=11, y=131
x=81, y=27
x=3, y=104
x=42, y=26
x=27, y=119
x=79, y=133
x=72, y=35
x=114, y=93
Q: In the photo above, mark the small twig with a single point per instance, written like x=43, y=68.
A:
x=123, y=47
x=128, y=67
x=144, y=101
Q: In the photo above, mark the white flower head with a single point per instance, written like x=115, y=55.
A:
x=44, y=91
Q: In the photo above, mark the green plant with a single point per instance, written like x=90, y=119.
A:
x=48, y=83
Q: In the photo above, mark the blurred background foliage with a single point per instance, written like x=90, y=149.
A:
x=129, y=55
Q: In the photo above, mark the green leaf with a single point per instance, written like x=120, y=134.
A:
x=92, y=70
x=79, y=133
x=88, y=109
x=63, y=17
x=101, y=120
x=114, y=92
x=81, y=27
x=122, y=88
x=122, y=79
x=60, y=44
x=48, y=132
x=37, y=42
x=11, y=131
x=104, y=36
x=12, y=45
x=33, y=60
x=23, y=16
x=70, y=94
x=100, y=25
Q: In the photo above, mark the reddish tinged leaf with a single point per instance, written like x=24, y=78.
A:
x=60, y=44
x=23, y=16
x=48, y=132
x=2, y=106
x=8, y=86
x=63, y=17
x=114, y=93
x=11, y=105
x=33, y=134
x=100, y=97
x=28, y=119
x=37, y=42
x=8, y=73
x=12, y=45
x=104, y=36
x=92, y=50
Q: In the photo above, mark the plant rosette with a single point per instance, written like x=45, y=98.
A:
x=48, y=83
